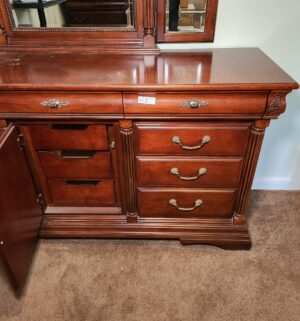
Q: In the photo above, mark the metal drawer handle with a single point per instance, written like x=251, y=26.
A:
x=202, y=171
x=194, y=103
x=198, y=203
x=54, y=103
x=205, y=140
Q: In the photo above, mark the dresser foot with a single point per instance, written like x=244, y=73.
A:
x=239, y=219
x=225, y=244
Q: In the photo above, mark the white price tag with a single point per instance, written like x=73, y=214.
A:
x=146, y=100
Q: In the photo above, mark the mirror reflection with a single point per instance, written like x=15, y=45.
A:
x=185, y=15
x=72, y=13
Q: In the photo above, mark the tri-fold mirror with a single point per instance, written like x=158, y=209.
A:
x=175, y=20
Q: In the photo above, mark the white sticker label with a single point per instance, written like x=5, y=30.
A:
x=146, y=100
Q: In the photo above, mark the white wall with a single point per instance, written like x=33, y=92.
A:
x=273, y=26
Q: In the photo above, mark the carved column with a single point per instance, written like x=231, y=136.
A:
x=276, y=105
x=256, y=139
x=2, y=32
x=149, y=37
x=128, y=162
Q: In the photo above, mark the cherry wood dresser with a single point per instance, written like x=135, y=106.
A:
x=160, y=146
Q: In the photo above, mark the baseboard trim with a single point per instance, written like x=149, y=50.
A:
x=276, y=183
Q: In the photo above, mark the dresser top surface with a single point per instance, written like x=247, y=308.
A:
x=213, y=69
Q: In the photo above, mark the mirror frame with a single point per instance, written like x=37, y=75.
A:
x=90, y=39
x=73, y=36
x=206, y=36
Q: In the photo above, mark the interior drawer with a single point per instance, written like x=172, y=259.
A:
x=195, y=103
x=183, y=202
x=192, y=139
x=69, y=136
x=189, y=171
x=82, y=192
x=76, y=164
x=61, y=103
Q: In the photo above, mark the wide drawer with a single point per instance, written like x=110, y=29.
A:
x=189, y=171
x=195, y=103
x=183, y=202
x=192, y=139
x=65, y=136
x=82, y=192
x=61, y=103
x=76, y=164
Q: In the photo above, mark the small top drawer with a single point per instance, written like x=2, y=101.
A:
x=69, y=137
x=192, y=139
x=61, y=103
x=195, y=103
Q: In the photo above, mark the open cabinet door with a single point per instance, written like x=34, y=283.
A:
x=20, y=213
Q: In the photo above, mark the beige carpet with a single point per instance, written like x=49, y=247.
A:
x=127, y=280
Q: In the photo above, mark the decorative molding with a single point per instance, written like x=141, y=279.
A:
x=128, y=158
x=254, y=146
x=276, y=104
x=210, y=232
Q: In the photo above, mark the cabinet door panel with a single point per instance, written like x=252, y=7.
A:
x=20, y=214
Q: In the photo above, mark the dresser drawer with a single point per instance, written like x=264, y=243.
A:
x=192, y=139
x=76, y=164
x=61, y=103
x=82, y=192
x=172, y=202
x=195, y=103
x=189, y=171
x=65, y=136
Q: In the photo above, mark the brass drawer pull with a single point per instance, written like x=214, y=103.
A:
x=202, y=171
x=205, y=140
x=198, y=203
x=194, y=103
x=54, y=103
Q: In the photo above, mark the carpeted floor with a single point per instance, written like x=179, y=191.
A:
x=127, y=280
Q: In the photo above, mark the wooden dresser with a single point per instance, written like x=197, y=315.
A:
x=131, y=146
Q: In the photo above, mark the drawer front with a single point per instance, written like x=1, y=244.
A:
x=192, y=139
x=61, y=103
x=82, y=192
x=198, y=103
x=163, y=202
x=87, y=137
x=189, y=171
x=76, y=165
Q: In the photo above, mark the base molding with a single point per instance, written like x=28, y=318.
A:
x=227, y=242
x=219, y=232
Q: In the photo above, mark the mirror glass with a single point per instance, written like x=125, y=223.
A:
x=72, y=13
x=185, y=15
